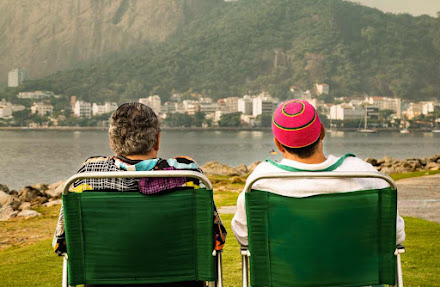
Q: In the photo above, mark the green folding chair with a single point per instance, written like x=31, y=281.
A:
x=131, y=238
x=335, y=239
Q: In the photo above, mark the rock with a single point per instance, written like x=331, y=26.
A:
x=388, y=160
x=4, y=188
x=242, y=168
x=42, y=187
x=4, y=198
x=423, y=161
x=253, y=165
x=55, y=190
x=28, y=213
x=29, y=193
x=433, y=158
x=15, y=203
x=371, y=161
x=388, y=170
x=236, y=179
x=380, y=161
x=25, y=206
x=7, y=213
x=214, y=167
x=53, y=202
x=432, y=166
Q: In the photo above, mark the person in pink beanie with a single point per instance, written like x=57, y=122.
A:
x=298, y=135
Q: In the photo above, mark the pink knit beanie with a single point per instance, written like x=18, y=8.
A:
x=296, y=124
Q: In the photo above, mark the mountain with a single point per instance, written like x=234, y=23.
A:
x=254, y=45
x=45, y=36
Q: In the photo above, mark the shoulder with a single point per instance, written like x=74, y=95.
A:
x=97, y=163
x=179, y=163
x=355, y=164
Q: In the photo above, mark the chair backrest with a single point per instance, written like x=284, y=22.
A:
x=131, y=238
x=338, y=239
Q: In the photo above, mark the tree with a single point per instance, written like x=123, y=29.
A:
x=265, y=120
x=230, y=120
x=178, y=120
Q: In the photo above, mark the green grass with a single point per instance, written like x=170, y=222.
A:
x=37, y=265
x=398, y=176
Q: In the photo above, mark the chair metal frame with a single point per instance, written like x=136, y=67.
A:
x=245, y=253
x=141, y=174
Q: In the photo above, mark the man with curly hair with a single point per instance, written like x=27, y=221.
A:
x=134, y=135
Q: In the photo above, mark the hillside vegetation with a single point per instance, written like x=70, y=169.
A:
x=254, y=45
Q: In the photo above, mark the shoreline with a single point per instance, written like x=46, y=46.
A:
x=73, y=128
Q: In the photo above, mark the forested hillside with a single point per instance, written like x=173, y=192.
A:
x=254, y=45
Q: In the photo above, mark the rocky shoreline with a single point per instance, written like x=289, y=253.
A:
x=22, y=203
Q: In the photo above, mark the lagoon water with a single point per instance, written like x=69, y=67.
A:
x=33, y=156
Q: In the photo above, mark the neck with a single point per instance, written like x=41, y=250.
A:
x=150, y=155
x=317, y=157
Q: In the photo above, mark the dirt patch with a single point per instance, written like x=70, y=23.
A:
x=420, y=197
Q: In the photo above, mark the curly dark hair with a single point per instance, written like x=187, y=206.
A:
x=134, y=129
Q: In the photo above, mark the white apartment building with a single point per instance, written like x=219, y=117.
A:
x=107, y=107
x=417, y=109
x=42, y=109
x=16, y=77
x=322, y=89
x=82, y=109
x=35, y=95
x=385, y=103
x=208, y=108
x=346, y=112
x=153, y=101
x=190, y=106
x=232, y=104
x=245, y=105
x=263, y=103
x=5, y=110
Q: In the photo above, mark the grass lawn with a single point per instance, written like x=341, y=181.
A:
x=30, y=260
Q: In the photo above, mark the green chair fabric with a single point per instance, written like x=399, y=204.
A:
x=131, y=238
x=339, y=239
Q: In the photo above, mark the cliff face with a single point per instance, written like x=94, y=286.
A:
x=48, y=35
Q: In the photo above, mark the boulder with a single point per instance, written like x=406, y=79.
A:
x=53, y=202
x=371, y=161
x=25, y=206
x=380, y=161
x=388, y=170
x=4, y=198
x=4, y=188
x=6, y=213
x=42, y=187
x=432, y=166
x=28, y=213
x=15, y=203
x=55, y=190
x=214, y=167
x=242, y=168
x=29, y=193
x=253, y=165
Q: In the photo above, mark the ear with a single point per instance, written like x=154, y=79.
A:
x=322, y=132
x=279, y=145
x=157, y=143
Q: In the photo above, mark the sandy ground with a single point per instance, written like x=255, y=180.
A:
x=417, y=197
x=420, y=197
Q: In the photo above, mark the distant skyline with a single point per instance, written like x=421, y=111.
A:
x=413, y=7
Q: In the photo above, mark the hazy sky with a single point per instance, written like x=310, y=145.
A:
x=414, y=7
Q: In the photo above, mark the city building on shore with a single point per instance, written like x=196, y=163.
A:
x=5, y=110
x=106, y=108
x=82, y=109
x=42, y=109
x=16, y=77
x=153, y=101
x=35, y=95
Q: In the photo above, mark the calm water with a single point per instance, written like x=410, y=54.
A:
x=29, y=157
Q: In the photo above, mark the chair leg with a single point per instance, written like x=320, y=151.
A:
x=64, y=282
x=399, y=272
x=219, y=269
x=245, y=267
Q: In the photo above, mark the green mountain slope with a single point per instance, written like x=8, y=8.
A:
x=254, y=45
